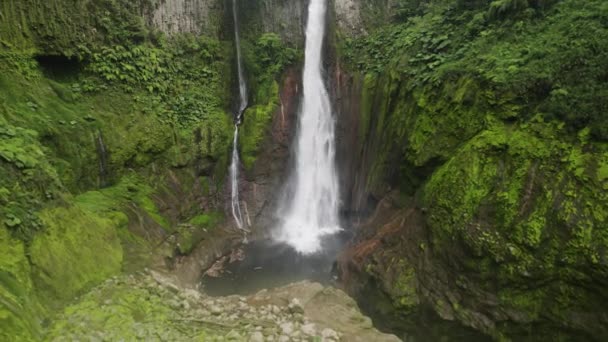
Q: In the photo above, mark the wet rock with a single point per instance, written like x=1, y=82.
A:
x=348, y=16
x=315, y=309
x=329, y=334
x=295, y=306
x=309, y=329
x=256, y=337
x=174, y=304
x=298, y=317
x=268, y=331
x=287, y=328
x=234, y=335
x=216, y=310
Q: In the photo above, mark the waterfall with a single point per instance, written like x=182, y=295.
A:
x=312, y=210
x=239, y=64
x=102, y=152
x=235, y=162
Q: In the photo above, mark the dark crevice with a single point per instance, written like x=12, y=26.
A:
x=58, y=67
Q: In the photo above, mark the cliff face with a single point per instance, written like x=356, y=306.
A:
x=348, y=17
x=479, y=170
x=117, y=116
x=471, y=136
x=187, y=16
x=283, y=17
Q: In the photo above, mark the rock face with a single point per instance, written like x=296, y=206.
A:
x=287, y=18
x=150, y=306
x=187, y=16
x=260, y=185
x=348, y=16
x=392, y=273
x=479, y=204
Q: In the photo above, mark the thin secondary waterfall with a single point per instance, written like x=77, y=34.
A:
x=102, y=151
x=234, y=165
x=312, y=211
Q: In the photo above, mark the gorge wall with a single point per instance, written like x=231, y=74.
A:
x=115, y=119
x=186, y=16
x=471, y=148
x=484, y=149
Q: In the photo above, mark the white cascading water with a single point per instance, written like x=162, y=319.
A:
x=312, y=212
x=234, y=165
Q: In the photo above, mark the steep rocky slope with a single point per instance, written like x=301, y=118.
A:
x=482, y=132
x=150, y=306
x=115, y=128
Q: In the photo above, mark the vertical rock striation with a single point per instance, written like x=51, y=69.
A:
x=186, y=16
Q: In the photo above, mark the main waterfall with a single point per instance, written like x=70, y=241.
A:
x=312, y=210
x=234, y=164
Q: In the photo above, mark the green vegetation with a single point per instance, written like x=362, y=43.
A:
x=61, y=267
x=530, y=178
x=19, y=311
x=493, y=115
x=124, y=309
x=97, y=111
x=489, y=115
x=193, y=232
x=58, y=27
x=104, y=122
x=265, y=60
x=537, y=58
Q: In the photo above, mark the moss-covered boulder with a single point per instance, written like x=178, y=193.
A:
x=525, y=211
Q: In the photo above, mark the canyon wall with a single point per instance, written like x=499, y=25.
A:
x=476, y=173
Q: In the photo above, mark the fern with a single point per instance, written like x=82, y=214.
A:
x=501, y=8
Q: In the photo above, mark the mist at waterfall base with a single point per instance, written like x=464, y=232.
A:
x=268, y=264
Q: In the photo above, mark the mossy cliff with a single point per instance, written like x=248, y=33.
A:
x=113, y=140
x=489, y=120
x=116, y=127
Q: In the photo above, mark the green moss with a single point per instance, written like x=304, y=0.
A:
x=27, y=177
x=128, y=311
x=130, y=190
x=265, y=57
x=77, y=250
x=499, y=106
x=257, y=122
x=198, y=227
x=405, y=287
x=524, y=62
x=139, y=143
x=524, y=197
x=82, y=153
x=58, y=27
x=602, y=171
x=369, y=83
x=13, y=260
x=206, y=220
x=19, y=309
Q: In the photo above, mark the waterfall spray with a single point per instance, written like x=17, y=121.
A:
x=235, y=162
x=312, y=211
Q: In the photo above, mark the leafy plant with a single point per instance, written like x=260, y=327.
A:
x=542, y=56
x=272, y=55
